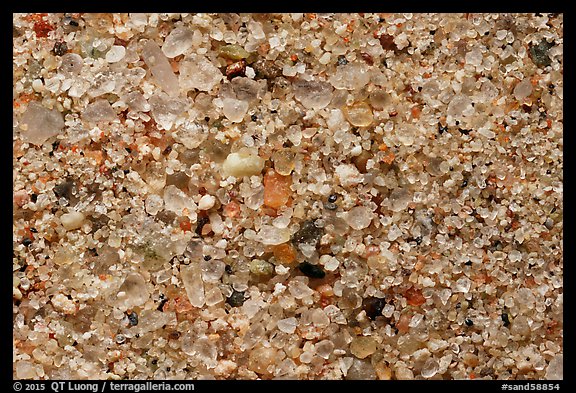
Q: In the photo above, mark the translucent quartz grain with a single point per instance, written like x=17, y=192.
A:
x=177, y=42
x=394, y=232
x=99, y=110
x=255, y=198
x=474, y=57
x=299, y=290
x=191, y=276
x=160, y=68
x=153, y=204
x=155, y=177
x=380, y=99
x=115, y=54
x=198, y=72
x=319, y=318
x=486, y=133
x=25, y=370
x=71, y=64
x=234, y=109
x=399, y=199
x=205, y=350
x=306, y=357
x=294, y=135
x=350, y=76
x=133, y=291
x=521, y=326
x=430, y=368
x=136, y=101
x=284, y=162
x=463, y=285
x=262, y=357
x=313, y=94
x=191, y=135
x=271, y=235
x=214, y=296
x=460, y=106
x=212, y=270
x=39, y=124
x=362, y=347
x=246, y=89
x=187, y=341
x=166, y=110
x=361, y=369
x=324, y=348
x=63, y=304
x=404, y=373
x=253, y=336
x=359, y=217
x=287, y=325
x=523, y=89
x=331, y=264
x=179, y=202
x=555, y=370
x=359, y=114
x=348, y=175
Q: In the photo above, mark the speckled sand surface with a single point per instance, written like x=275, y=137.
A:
x=288, y=196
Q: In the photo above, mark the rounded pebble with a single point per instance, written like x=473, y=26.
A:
x=71, y=221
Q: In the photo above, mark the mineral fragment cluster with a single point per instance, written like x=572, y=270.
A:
x=287, y=196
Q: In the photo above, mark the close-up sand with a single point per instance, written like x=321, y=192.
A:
x=288, y=196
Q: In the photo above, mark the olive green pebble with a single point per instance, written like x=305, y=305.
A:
x=233, y=52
